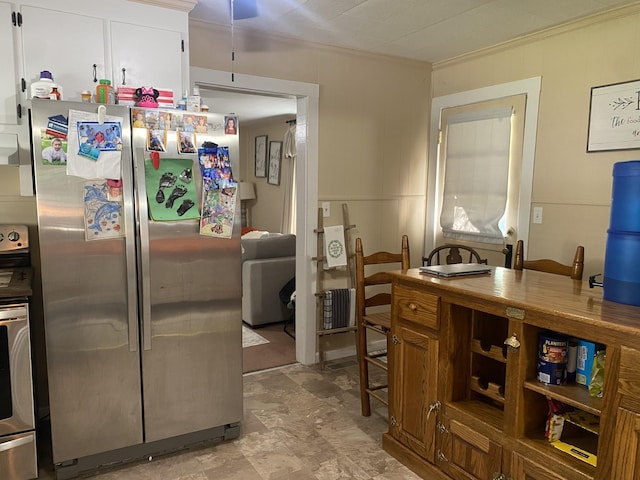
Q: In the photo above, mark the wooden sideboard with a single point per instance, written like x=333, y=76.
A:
x=464, y=405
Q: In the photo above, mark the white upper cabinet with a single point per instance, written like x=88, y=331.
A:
x=78, y=47
x=66, y=44
x=158, y=65
x=8, y=76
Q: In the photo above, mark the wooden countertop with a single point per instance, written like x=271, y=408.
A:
x=20, y=284
x=544, y=299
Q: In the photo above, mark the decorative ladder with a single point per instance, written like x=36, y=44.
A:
x=320, y=278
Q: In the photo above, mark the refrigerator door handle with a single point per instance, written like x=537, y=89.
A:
x=130, y=253
x=143, y=228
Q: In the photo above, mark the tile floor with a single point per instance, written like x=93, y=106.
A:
x=299, y=423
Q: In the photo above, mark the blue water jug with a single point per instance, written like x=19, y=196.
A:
x=622, y=258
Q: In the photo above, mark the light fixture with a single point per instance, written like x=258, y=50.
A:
x=247, y=192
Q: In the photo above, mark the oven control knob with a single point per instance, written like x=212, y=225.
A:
x=13, y=236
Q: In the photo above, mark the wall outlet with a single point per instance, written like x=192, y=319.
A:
x=326, y=209
x=537, y=214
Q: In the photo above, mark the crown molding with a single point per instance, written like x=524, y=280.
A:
x=608, y=15
x=182, y=5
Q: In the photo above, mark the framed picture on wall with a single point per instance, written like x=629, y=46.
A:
x=613, y=117
x=275, y=157
x=261, y=156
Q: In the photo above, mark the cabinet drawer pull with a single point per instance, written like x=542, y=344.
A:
x=413, y=307
x=394, y=339
x=441, y=457
x=433, y=407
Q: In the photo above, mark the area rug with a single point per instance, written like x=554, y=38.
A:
x=280, y=350
x=251, y=338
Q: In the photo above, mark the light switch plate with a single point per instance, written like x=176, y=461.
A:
x=537, y=214
x=326, y=209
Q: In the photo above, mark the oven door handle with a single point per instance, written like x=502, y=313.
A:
x=18, y=442
x=13, y=314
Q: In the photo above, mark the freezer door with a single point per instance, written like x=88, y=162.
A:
x=89, y=297
x=191, y=301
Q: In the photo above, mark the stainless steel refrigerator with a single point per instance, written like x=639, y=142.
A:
x=143, y=330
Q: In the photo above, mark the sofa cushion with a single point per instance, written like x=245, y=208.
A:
x=273, y=245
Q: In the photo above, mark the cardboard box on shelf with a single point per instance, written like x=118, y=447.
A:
x=576, y=433
x=584, y=367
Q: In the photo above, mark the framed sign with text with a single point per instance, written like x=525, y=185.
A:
x=614, y=117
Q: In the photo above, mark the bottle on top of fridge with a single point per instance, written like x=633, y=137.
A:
x=42, y=88
x=55, y=94
x=104, y=92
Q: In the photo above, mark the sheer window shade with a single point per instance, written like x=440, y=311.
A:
x=476, y=175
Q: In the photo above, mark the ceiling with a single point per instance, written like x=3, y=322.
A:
x=427, y=30
x=414, y=29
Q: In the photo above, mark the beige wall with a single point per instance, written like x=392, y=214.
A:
x=265, y=212
x=373, y=126
x=572, y=186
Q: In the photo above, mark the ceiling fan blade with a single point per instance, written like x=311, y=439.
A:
x=244, y=9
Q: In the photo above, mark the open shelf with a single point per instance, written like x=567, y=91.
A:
x=572, y=394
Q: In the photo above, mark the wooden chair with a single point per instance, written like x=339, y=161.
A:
x=380, y=321
x=453, y=255
x=551, y=266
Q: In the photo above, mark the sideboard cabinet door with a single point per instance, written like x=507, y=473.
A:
x=413, y=409
x=625, y=463
x=525, y=469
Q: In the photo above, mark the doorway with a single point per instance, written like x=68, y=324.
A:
x=306, y=96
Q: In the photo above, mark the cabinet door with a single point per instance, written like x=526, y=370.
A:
x=151, y=57
x=8, y=80
x=524, y=469
x=66, y=44
x=467, y=454
x=413, y=381
x=625, y=463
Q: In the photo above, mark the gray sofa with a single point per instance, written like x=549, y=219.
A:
x=268, y=263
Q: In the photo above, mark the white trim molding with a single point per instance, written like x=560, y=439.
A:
x=307, y=95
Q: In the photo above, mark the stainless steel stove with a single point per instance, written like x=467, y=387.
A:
x=18, y=459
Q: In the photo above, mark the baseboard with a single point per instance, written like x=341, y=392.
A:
x=349, y=351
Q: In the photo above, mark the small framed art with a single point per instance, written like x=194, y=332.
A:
x=275, y=157
x=261, y=156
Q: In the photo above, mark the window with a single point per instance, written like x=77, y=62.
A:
x=476, y=174
x=522, y=99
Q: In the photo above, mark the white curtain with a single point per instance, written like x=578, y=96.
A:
x=476, y=175
x=289, y=164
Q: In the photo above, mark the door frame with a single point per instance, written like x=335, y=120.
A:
x=307, y=98
x=531, y=88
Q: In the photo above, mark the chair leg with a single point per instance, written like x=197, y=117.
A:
x=365, y=401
